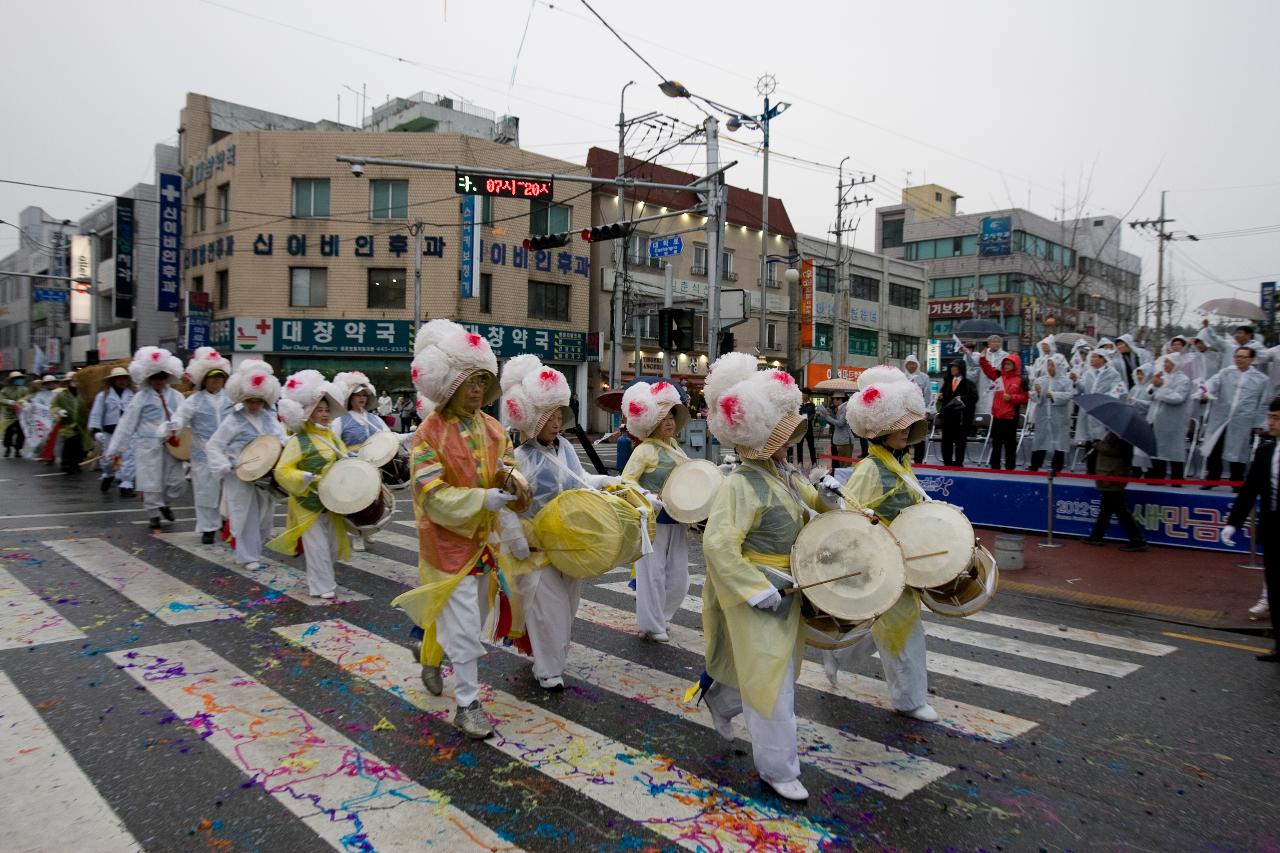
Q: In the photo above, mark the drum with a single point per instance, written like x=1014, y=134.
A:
x=353, y=488
x=937, y=543
x=585, y=532
x=969, y=593
x=379, y=449
x=690, y=488
x=374, y=517
x=832, y=548
x=396, y=474
x=256, y=464
x=179, y=447
x=513, y=482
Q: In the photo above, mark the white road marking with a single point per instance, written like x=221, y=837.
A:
x=25, y=620
x=32, y=529
x=1079, y=635
x=89, y=512
x=1034, y=651
x=172, y=601
x=347, y=795
x=649, y=789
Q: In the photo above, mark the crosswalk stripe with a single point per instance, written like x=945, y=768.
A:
x=691, y=603
x=279, y=577
x=649, y=789
x=1035, y=651
x=38, y=765
x=1079, y=635
x=25, y=620
x=169, y=599
x=964, y=719
x=348, y=796
x=399, y=540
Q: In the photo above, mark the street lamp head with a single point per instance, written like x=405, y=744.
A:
x=732, y=124
x=791, y=276
x=674, y=89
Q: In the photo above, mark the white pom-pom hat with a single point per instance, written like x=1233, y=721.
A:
x=756, y=411
x=253, y=379
x=307, y=388
x=447, y=355
x=152, y=361
x=351, y=381
x=205, y=362
x=644, y=405
x=888, y=401
x=531, y=394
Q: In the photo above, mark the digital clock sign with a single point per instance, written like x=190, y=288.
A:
x=478, y=183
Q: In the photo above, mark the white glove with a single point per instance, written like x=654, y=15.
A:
x=496, y=499
x=1228, y=536
x=102, y=438
x=353, y=454
x=599, y=481
x=658, y=505
x=308, y=478
x=519, y=548
x=770, y=600
x=830, y=482
x=173, y=425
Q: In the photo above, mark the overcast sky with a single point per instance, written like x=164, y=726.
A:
x=1092, y=107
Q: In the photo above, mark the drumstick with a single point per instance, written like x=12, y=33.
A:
x=789, y=590
x=926, y=556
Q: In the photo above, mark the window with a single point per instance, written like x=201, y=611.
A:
x=546, y=217
x=310, y=197
x=891, y=233
x=486, y=210
x=224, y=204
x=224, y=289
x=699, y=328
x=308, y=287
x=388, y=199
x=638, y=251
x=945, y=247
x=824, y=279
x=823, y=335
x=726, y=267
x=864, y=287
x=904, y=297
x=901, y=346
x=937, y=196
x=486, y=293
x=864, y=342
x=386, y=288
x=197, y=214
x=770, y=335
x=771, y=275
x=548, y=301
x=699, y=259
x=197, y=283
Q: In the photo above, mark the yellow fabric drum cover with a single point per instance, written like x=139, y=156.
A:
x=585, y=533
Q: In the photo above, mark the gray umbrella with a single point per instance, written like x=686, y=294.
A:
x=1122, y=418
x=975, y=329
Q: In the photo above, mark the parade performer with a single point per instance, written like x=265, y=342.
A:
x=150, y=420
x=890, y=413
x=754, y=644
x=308, y=406
x=535, y=403
x=655, y=416
x=12, y=397
x=252, y=393
x=1051, y=393
x=108, y=408
x=1238, y=411
x=203, y=410
x=72, y=415
x=355, y=392
x=457, y=455
x=1170, y=393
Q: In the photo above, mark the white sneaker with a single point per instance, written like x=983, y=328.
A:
x=792, y=790
x=254, y=566
x=553, y=683
x=924, y=714
x=1261, y=610
x=658, y=637
x=724, y=725
x=327, y=596
x=357, y=543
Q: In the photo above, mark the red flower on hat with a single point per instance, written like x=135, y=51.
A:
x=513, y=410
x=548, y=377
x=155, y=356
x=292, y=383
x=784, y=378
x=636, y=409
x=659, y=387
x=414, y=373
x=213, y=356
x=257, y=381
x=731, y=409
x=474, y=341
x=870, y=396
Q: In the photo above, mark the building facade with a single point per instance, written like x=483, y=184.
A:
x=305, y=264
x=34, y=313
x=639, y=279
x=1013, y=267
x=872, y=309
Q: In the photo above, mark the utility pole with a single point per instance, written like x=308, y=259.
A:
x=668, y=285
x=417, y=275
x=714, y=199
x=93, y=301
x=840, y=346
x=619, y=257
x=1163, y=236
x=766, y=85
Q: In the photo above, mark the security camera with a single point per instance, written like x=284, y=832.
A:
x=357, y=170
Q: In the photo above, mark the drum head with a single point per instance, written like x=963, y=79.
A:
x=513, y=482
x=838, y=543
x=941, y=530
x=182, y=450
x=350, y=485
x=380, y=448
x=258, y=458
x=690, y=488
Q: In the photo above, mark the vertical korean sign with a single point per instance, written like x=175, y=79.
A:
x=469, y=269
x=806, y=303
x=1268, y=304
x=81, y=263
x=123, y=296
x=169, y=273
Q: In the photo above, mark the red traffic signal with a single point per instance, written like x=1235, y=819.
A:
x=606, y=232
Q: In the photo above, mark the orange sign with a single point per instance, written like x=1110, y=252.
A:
x=815, y=373
x=806, y=303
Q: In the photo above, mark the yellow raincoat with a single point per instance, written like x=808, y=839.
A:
x=651, y=461
x=880, y=483
x=310, y=450
x=754, y=521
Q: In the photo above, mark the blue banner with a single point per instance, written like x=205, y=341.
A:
x=468, y=262
x=1182, y=518
x=997, y=236
x=45, y=294
x=169, y=277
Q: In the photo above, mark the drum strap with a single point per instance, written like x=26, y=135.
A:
x=907, y=476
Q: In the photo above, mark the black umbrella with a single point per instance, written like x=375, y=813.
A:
x=975, y=329
x=612, y=400
x=1122, y=418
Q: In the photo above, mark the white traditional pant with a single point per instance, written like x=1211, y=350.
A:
x=124, y=476
x=250, y=510
x=549, y=600
x=662, y=579
x=318, y=548
x=773, y=738
x=907, y=673
x=458, y=631
x=206, y=489
x=164, y=482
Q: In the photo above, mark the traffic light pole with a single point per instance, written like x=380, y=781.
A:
x=714, y=232
x=668, y=285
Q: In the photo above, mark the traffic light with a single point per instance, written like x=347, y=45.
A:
x=547, y=241
x=606, y=232
x=727, y=342
x=682, y=339
x=666, y=327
